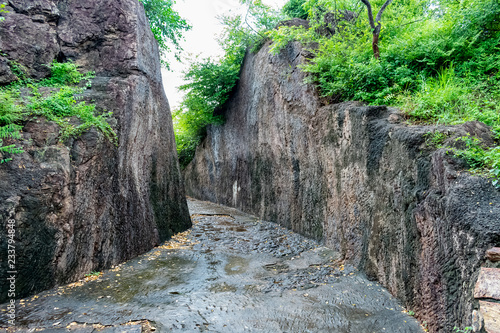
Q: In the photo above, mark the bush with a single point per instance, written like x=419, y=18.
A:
x=295, y=9
x=59, y=105
x=439, y=62
x=210, y=81
x=64, y=73
x=167, y=26
x=481, y=158
x=10, y=114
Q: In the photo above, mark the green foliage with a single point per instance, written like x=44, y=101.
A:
x=452, y=100
x=412, y=51
x=295, y=9
x=65, y=73
x=210, y=81
x=284, y=35
x=10, y=114
x=2, y=10
x=21, y=73
x=260, y=17
x=190, y=128
x=11, y=149
x=435, y=139
x=167, y=26
x=465, y=330
x=60, y=106
x=93, y=274
x=59, y=102
x=10, y=131
x=209, y=87
x=480, y=157
x=475, y=154
x=439, y=61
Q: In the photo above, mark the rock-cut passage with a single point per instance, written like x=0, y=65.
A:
x=230, y=273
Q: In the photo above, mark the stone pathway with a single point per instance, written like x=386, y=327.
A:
x=230, y=273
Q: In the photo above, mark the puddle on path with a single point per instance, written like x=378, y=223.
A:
x=230, y=273
x=236, y=265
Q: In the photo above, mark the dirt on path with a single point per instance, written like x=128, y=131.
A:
x=230, y=273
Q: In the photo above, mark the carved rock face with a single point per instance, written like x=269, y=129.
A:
x=29, y=40
x=356, y=177
x=87, y=204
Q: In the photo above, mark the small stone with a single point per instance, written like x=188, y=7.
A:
x=395, y=118
x=488, y=284
x=491, y=314
x=493, y=254
x=477, y=321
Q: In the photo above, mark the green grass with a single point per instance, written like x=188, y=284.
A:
x=439, y=63
x=435, y=139
x=439, y=66
x=91, y=274
x=60, y=102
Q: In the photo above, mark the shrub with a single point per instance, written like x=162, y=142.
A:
x=210, y=81
x=295, y=9
x=439, y=62
x=59, y=104
x=167, y=26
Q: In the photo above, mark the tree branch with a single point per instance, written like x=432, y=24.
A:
x=246, y=20
x=381, y=11
x=402, y=25
x=370, y=13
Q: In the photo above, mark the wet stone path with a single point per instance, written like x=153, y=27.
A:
x=230, y=273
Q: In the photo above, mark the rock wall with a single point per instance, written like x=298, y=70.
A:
x=88, y=204
x=357, y=177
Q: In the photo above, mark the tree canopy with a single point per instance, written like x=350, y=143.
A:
x=209, y=81
x=295, y=9
x=437, y=60
x=167, y=26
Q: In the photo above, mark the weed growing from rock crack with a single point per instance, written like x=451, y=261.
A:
x=57, y=98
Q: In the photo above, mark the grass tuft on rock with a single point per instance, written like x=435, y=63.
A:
x=57, y=98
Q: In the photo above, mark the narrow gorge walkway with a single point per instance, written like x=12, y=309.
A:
x=230, y=273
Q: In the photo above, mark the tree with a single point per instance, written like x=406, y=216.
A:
x=261, y=17
x=167, y=26
x=375, y=24
x=210, y=81
x=295, y=8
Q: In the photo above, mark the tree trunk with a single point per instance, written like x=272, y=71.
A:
x=375, y=24
x=376, y=34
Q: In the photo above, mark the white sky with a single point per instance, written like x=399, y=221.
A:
x=202, y=15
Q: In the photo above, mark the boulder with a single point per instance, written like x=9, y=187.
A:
x=493, y=254
x=488, y=284
x=491, y=314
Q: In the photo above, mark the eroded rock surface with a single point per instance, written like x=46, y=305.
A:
x=230, y=273
x=88, y=204
x=357, y=177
